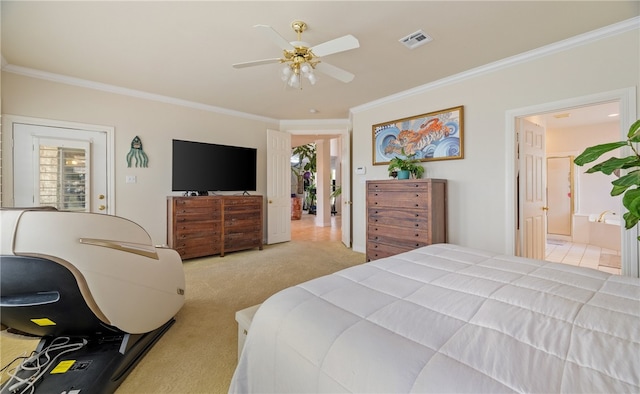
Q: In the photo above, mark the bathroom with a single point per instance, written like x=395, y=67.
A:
x=580, y=209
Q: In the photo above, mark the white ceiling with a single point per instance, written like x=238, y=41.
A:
x=184, y=50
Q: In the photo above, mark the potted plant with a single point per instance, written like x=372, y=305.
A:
x=406, y=166
x=629, y=184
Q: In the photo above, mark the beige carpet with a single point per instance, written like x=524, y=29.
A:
x=199, y=352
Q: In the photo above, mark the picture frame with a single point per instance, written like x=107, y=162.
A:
x=431, y=136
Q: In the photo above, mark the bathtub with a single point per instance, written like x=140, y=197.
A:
x=606, y=234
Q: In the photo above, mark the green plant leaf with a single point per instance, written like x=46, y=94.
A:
x=631, y=179
x=618, y=190
x=630, y=220
x=614, y=163
x=631, y=201
x=593, y=152
x=634, y=132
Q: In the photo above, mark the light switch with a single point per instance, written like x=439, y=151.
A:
x=361, y=170
x=131, y=179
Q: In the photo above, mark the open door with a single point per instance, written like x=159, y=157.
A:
x=533, y=209
x=278, y=186
x=346, y=188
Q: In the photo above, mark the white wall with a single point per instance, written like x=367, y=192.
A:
x=477, y=184
x=154, y=122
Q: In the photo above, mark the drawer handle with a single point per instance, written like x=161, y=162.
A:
x=417, y=225
x=417, y=205
x=375, y=203
x=376, y=220
x=375, y=246
x=417, y=235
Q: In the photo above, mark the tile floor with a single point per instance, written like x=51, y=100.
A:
x=583, y=255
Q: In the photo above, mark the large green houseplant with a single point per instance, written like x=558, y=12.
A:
x=407, y=163
x=629, y=184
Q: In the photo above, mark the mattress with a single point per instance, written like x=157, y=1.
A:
x=446, y=318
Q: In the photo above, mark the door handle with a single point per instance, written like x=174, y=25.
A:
x=102, y=207
x=545, y=208
x=101, y=197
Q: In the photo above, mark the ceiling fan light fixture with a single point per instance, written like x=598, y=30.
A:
x=312, y=79
x=286, y=73
x=300, y=59
x=306, y=69
x=294, y=81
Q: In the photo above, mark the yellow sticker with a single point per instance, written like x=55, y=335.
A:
x=43, y=322
x=63, y=366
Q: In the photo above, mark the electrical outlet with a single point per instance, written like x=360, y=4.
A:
x=131, y=179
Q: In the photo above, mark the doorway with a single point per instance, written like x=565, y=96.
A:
x=334, y=223
x=55, y=163
x=625, y=100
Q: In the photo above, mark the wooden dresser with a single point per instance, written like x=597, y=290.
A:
x=208, y=225
x=405, y=214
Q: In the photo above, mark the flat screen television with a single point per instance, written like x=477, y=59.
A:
x=203, y=167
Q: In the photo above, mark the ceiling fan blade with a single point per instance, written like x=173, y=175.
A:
x=335, y=72
x=256, y=63
x=274, y=36
x=341, y=44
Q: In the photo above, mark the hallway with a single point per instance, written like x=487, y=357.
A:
x=306, y=229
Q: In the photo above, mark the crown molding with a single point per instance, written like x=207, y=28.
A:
x=29, y=72
x=569, y=43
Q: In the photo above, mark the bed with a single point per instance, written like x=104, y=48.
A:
x=446, y=318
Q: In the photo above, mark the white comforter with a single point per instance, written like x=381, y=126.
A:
x=447, y=319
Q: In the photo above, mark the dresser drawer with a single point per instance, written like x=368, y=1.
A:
x=397, y=236
x=201, y=246
x=414, y=199
x=396, y=186
x=196, y=202
x=200, y=229
x=241, y=241
x=416, y=219
x=376, y=250
x=243, y=201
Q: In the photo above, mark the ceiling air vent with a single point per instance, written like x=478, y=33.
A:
x=416, y=39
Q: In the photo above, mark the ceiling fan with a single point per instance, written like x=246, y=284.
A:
x=301, y=59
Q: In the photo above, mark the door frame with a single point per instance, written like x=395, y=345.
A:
x=7, y=154
x=344, y=133
x=627, y=101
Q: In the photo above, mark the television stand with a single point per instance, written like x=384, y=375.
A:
x=209, y=225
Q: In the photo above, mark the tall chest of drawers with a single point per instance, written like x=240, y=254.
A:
x=208, y=225
x=405, y=214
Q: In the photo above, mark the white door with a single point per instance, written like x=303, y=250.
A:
x=533, y=209
x=61, y=167
x=559, y=195
x=346, y=189
x=278, y=186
